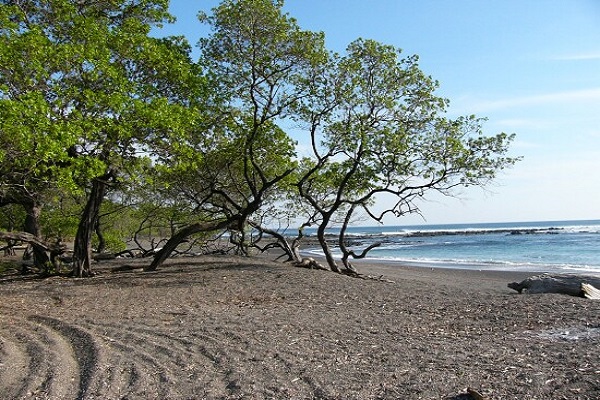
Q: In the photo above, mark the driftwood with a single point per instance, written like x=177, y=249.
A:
x=590, y=291
x=310, y=263
x=475, y=395
x=57, y=247
x=572, y=285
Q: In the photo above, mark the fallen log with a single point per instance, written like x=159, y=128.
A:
x=104, y=256
x=57, y=247
x=475, y=395
x=590, y=291
x=310, y=263
x=556, y=283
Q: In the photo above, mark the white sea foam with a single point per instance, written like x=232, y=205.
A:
x=548, y=246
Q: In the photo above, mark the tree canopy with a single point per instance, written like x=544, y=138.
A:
x=91, y=104
x=87, y=92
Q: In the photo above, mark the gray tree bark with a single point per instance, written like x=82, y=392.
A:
x=555, y=283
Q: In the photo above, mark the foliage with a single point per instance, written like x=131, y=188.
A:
x=11, y=217
x=112, y=242
x=378, y=128
x=94, y=108
x=235, y=163
x=60, y=216
x=92, y=94
x=257, y=57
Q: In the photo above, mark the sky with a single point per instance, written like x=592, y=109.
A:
x=530, y=67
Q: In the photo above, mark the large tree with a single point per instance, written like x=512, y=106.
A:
x=256, y=58
x=377, y=128
x=34, y=136
x=374, y=122
x=94, y=91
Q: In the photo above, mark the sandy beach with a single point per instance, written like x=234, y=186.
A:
x=237, y=328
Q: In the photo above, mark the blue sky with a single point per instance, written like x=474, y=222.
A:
x=532, y=67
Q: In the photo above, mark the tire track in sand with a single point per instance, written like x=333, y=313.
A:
x=145, y=361
x=44, y=358
x=83, y=348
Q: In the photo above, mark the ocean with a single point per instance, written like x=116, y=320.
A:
x=550, y=246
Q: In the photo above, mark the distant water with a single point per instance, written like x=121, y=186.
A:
x=554, y=246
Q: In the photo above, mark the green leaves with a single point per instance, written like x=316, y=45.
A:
x=92, y=73
x=382, y=129
x=258, y=54
x=86, y=93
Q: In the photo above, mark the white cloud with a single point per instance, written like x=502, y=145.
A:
x=566, y=97
x=594, y=134
x=559, y=172
x=578, y=57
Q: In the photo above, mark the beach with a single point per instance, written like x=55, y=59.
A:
x=224, y=327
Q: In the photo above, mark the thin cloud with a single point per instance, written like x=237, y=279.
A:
x=574, y=96
x=525, y=145
x=578, y=57
x=594, y=134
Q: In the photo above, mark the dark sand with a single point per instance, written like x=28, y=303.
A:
x=232, y=328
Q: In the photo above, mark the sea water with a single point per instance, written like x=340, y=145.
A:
x=553, y=246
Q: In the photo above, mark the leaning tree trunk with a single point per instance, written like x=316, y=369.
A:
x=32, y=226
x=326, y=250
x=180, y=236
x=82, y=252
x=347, y=253
x=291, y=251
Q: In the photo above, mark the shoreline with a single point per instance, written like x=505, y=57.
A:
x=492, y=280
x=477, y=269
x=469, y=266
x=496, y=280
x=527, y=271
x=557, y=247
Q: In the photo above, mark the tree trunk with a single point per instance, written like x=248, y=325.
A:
x=180, y=236
x=82, y=253
x=326, y=250
x=101, y=241
x=347, y=253
x=342, y=242
x=291, y=251
x=32, y=225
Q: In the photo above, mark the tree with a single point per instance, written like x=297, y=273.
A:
x=34, y=139
x=374, y=122
x=256, y=59
x=377, y=128
x=94, y=92
x=94, y=104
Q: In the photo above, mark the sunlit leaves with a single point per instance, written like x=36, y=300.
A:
x=258, y=54
x=84, y=91
x=381, y=128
